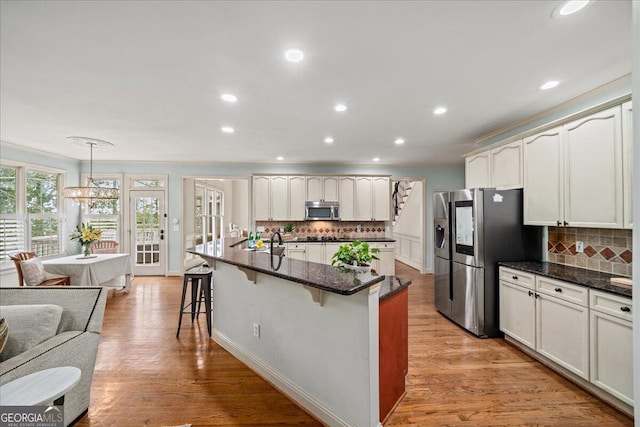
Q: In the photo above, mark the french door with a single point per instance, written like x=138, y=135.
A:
x=148, y=232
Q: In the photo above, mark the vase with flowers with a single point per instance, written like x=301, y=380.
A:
x=86, y=235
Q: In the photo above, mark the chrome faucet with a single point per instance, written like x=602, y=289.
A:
x=279, y=248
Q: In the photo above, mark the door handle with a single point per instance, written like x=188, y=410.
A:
x=530, y=293
x=161, y=234
x=625, y=309
x=558, y=289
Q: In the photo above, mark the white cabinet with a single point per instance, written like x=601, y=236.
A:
x=593, y=170
x=322, y=188
x=385, y=265
x=296, y=251
x=372, y=199
x=477, y=170
x=506, y=166
x=297, y=197
x=561, y=331
x=321, y=252
x=573, y=174
x=346, y=193
x=543, y=185
x=627, y=166
x=270, y=198
x=611, y=352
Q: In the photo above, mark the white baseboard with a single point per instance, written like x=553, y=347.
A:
x=173, y=273
x=295, y=393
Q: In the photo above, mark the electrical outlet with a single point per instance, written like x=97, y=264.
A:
x=579, y=246
x=256, y=330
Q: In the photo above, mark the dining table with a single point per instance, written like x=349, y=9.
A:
x=109, y=270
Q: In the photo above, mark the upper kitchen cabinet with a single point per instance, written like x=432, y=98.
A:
x=573, y=174
x=506, y=166
x=297, y=197
x=347, y=187
x=271, y=198
x=373, y=199
x=543, y=190
x=477, y=171
x=322, y=188
x=627, y=165
x=593, y=170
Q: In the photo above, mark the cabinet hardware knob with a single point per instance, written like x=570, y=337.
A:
x=514, y=277
x=625, y=309
x=537, y=296
x=558, y=289
x=566, y=223
x=530, y=293
x=559, y=223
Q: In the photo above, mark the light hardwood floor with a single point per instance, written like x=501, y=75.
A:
x=146, y=377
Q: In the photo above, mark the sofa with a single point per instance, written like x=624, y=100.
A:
x=80, y=311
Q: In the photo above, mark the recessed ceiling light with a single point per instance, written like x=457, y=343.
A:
x=279, y=158
x=294, y=55
x=229, y=97
x=227, y=129
x=328, y=140
x=440, y=110
x=569, y=8
x=340, y=108
x=376, y=159
x=549, y=85
x=399, y=141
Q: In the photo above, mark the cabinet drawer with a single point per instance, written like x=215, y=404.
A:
x=299, y=246
x=614, y=305
x=518, y=277
x=563, y=290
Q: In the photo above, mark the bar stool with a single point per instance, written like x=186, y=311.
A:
x=201, y=279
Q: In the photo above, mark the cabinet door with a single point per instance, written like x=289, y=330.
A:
x=346, y=197
x=593, y=170
x=543, y=191
x=363, y=210
x=562, y=333
x=386, y=264
x=381, y=199
x=627, y=165
x=329, y=250
x=612, y=355
x=518, y=313
x=297, y=198
x=315, y=252
x=297, y=251
x=506, y=166
x=261, y=198
x=330, y=188
x=477, y=170
x=314, y=188
x=279, y=198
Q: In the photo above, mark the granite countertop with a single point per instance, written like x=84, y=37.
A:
x=391, y=285
x=579, y=276
x=326, y=277
x=340, y=240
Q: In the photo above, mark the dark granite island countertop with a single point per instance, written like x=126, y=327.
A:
x=579, y=276
x=325, y=277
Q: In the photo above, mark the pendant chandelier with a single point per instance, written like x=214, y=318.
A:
x=90, y=192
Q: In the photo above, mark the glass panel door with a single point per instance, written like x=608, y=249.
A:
x=148, y=235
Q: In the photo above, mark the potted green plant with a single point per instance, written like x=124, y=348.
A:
x=355, y=256
x=288, y=231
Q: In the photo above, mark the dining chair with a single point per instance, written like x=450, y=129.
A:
x=34, y=271
x=105, y=247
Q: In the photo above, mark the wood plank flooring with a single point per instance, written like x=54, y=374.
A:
x=146, y=377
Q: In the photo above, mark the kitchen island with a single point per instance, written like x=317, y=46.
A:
x=312, y=330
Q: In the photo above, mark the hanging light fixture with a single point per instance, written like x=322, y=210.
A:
x=90, y=192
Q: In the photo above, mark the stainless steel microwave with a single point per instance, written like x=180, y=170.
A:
x=321, y=211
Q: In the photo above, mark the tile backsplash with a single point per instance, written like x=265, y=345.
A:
x=604, y=249
x=344, y=229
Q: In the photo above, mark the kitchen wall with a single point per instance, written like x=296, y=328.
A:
x=605, y=249
x=344, y=229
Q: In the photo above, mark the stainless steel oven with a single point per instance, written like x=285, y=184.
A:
x=321, y=211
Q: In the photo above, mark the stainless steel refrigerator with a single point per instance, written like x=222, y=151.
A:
x=474, y=229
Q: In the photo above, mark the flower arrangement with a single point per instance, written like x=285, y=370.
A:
x=86, y=235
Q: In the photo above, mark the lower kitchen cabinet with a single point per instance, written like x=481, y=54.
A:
x=612, y=344
x=386, y=264
x=518, y=312
x=321, y=252
x=296, y=251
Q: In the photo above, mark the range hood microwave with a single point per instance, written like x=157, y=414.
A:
x=321, y=211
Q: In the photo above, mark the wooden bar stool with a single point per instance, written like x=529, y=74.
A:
x=201, y=279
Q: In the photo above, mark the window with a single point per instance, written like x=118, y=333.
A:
x=105, y=214
x=30, y=216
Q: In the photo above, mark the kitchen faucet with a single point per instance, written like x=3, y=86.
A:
x=279, y=248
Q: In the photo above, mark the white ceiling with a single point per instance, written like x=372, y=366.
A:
x=147, y=76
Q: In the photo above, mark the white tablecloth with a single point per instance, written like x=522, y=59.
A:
x=101, y=270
